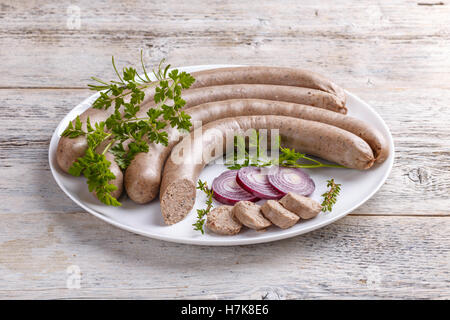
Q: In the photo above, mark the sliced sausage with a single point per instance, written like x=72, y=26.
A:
x=220, y=220
x=278, y=215
x=304, y=207
x=143, y=176
x=311, y=137
x=250, y=215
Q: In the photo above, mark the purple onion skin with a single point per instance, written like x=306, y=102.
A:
x=232, y=202
x=276, y=195
x=230, y=199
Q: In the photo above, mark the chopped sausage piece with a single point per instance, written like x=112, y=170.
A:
x=279, y=215
x=249, y=214
x=304, y=207
x=220, y=220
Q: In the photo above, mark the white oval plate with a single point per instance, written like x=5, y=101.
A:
x=357, y=188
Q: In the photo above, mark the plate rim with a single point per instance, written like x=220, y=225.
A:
x=228, y=241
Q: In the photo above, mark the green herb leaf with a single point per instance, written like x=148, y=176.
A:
x=201, y=213
x=127, y=94
x=287, y=157
x=73, y=132
x=330, y=197
x=95, y=168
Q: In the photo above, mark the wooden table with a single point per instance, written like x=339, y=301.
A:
x=393, y=54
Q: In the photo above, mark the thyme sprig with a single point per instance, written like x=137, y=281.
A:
x=201, y=213
x=124, y=125
x=330, y=197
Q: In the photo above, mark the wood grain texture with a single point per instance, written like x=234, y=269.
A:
x=392, y=54
x=370, y=257
x=27, y=185
x=352, y=42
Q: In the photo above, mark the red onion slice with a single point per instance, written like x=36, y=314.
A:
x=227, y=191
x=293, y=180
x=253, y=180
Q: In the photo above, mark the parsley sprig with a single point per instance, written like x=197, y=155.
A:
x=330, y=197
x=126, y=133
x=201, y=213
x=287, y=157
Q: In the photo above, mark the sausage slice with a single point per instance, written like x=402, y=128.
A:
x=304, y=207
x=250, y=215
x=221, y=221
x=279, y=215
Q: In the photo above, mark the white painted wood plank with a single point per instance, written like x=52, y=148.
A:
x=349, y=43
x=357, y=257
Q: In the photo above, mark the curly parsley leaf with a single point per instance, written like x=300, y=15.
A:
x=95, y=168
x=126, y=95
x=74, y=131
